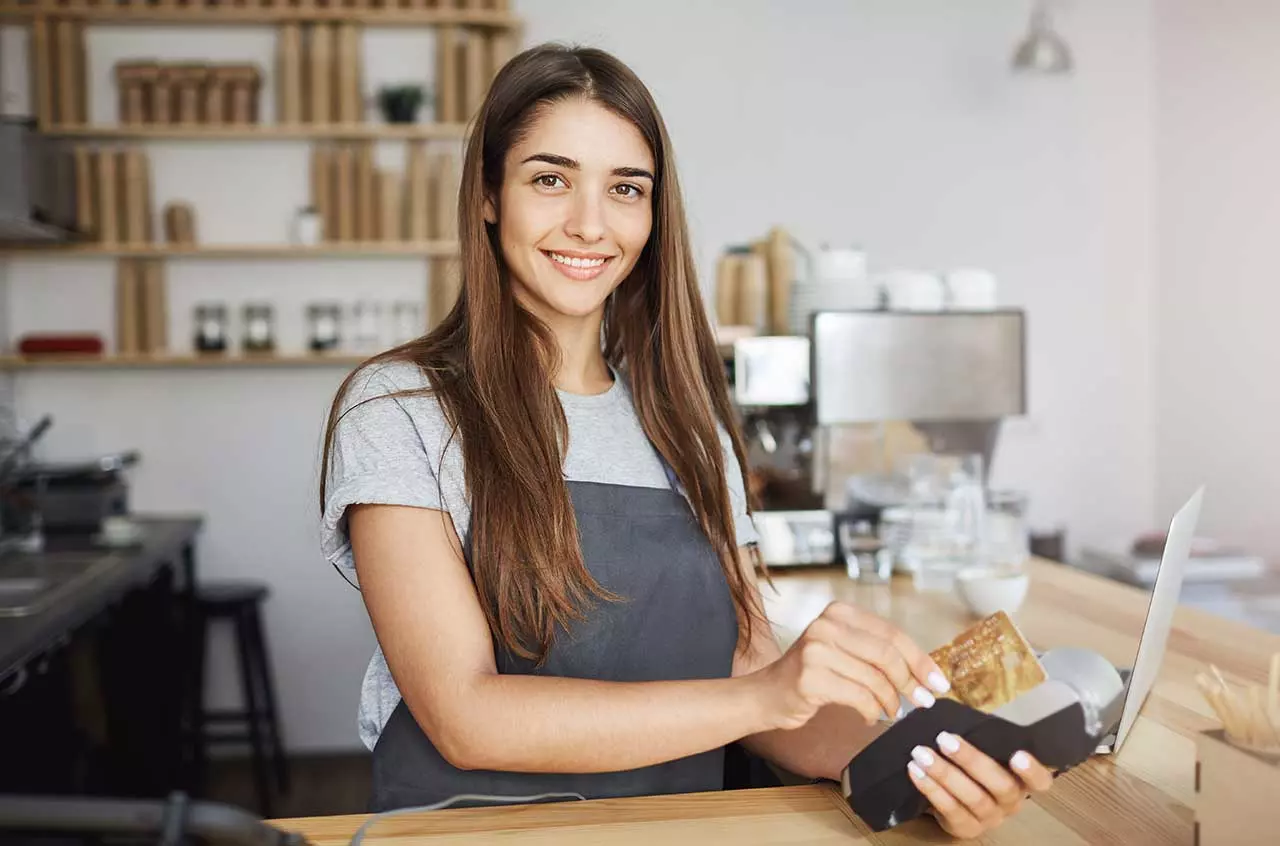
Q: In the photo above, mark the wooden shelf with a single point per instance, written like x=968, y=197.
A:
x=264, y=132
x=277, y=12
x=100, y=362
x=240, y=251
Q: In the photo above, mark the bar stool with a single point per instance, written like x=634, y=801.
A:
x=256, y=722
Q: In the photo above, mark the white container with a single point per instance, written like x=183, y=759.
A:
x=308, y=228
x=986, y=590
x=971, y=289
x=913, y=290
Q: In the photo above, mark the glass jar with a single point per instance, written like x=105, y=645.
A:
x=211, y=328
x=866, y=558
x=406, y=322
x=1008, y=536
x=366, y=326
x=324, y=325
x=259, y=328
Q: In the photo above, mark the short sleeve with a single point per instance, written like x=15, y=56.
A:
x=379, y=456
x=744, y=526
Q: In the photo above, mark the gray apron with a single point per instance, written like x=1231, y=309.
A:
x=676, y=621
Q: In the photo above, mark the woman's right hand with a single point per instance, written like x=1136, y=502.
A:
x=853, y=658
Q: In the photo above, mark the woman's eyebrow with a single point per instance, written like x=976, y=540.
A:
x=572, y=164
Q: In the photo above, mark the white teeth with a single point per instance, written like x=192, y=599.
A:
x=576, y=262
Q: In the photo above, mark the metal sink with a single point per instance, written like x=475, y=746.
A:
x=31, y=582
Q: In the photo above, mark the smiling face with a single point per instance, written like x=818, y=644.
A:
x=576, y=209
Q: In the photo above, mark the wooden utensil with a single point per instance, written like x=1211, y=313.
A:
x=416, y=193
x=42, y=70
x=320, y=74
x=1249, y=723
x=131, y=82
x=86, y=217
x=188, y=82
x=344, y=201
x=366, y=217
x=179, y=223
x=128, y=307
x=133, y=165
x=155, y=308
x=728, y=273
x=781, y=266
x=162, y=106
x=448, y=109
x=108, y=197
x=289, y=74
x=348, y=78
x=475, y=72
x=390, y=210
x=216, y=108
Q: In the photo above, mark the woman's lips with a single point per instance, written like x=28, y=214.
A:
x=579, y=269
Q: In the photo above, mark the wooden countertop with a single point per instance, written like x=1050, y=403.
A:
x=1142, y=795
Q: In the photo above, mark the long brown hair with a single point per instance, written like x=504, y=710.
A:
x=491, y=365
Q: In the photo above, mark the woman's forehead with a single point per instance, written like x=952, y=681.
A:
x=586, y=132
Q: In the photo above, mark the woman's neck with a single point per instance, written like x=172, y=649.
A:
x=583, y=369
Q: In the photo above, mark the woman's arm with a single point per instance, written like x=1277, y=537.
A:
x=822, y=747
x=433, y=632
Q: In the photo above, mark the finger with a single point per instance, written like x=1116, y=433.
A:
x=923, y=668
x=952, y=815
x=991, y=776
x=1034, y=774
x=864, y=676
x=829, y=683
x=976, y=800
x=877, y=648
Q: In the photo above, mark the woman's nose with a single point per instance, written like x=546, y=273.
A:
x=586, y=219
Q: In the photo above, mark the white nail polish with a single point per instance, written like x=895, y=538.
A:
x=923, y=756
x=916, y=771
x=948, y=742
x=923, y=698
x=1021, y=761
x=939, y=682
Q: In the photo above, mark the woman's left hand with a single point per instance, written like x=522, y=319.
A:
x=971, y=793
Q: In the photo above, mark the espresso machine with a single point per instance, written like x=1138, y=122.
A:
x=816, y=409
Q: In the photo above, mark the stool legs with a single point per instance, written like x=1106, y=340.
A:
x=249, y=682
x=267, y=697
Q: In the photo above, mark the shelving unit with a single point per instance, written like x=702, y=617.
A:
x=353, y=249
x=122, y=362
x=271, y=12
x=473, y=38
x=264, y=132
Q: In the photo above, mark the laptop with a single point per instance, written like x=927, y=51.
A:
x=1155, y=631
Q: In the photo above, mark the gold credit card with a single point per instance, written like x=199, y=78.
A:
x=989, y=664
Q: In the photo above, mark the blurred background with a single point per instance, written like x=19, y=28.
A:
x=1030, y=235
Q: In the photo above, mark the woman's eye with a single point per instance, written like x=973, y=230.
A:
x=628, y=191
x=548, y=180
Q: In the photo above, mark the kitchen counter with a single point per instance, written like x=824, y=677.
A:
x=1142, y=795
x=116, y=571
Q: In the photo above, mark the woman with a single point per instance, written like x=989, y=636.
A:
x=543, y=500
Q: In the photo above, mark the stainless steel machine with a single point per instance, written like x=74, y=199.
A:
x=952, y=377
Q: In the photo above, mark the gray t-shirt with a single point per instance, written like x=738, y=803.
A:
x=398, y=451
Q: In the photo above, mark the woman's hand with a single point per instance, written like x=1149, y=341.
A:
x=971, y=793
x=852, y=658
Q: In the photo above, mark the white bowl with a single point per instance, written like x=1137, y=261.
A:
x=986, y=590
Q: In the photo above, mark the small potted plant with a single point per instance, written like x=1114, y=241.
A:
x=400, y=103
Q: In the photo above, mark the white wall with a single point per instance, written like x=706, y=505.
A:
x=1218, y=388
x=892, y=124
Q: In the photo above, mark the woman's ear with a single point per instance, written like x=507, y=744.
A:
x=490, y=212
